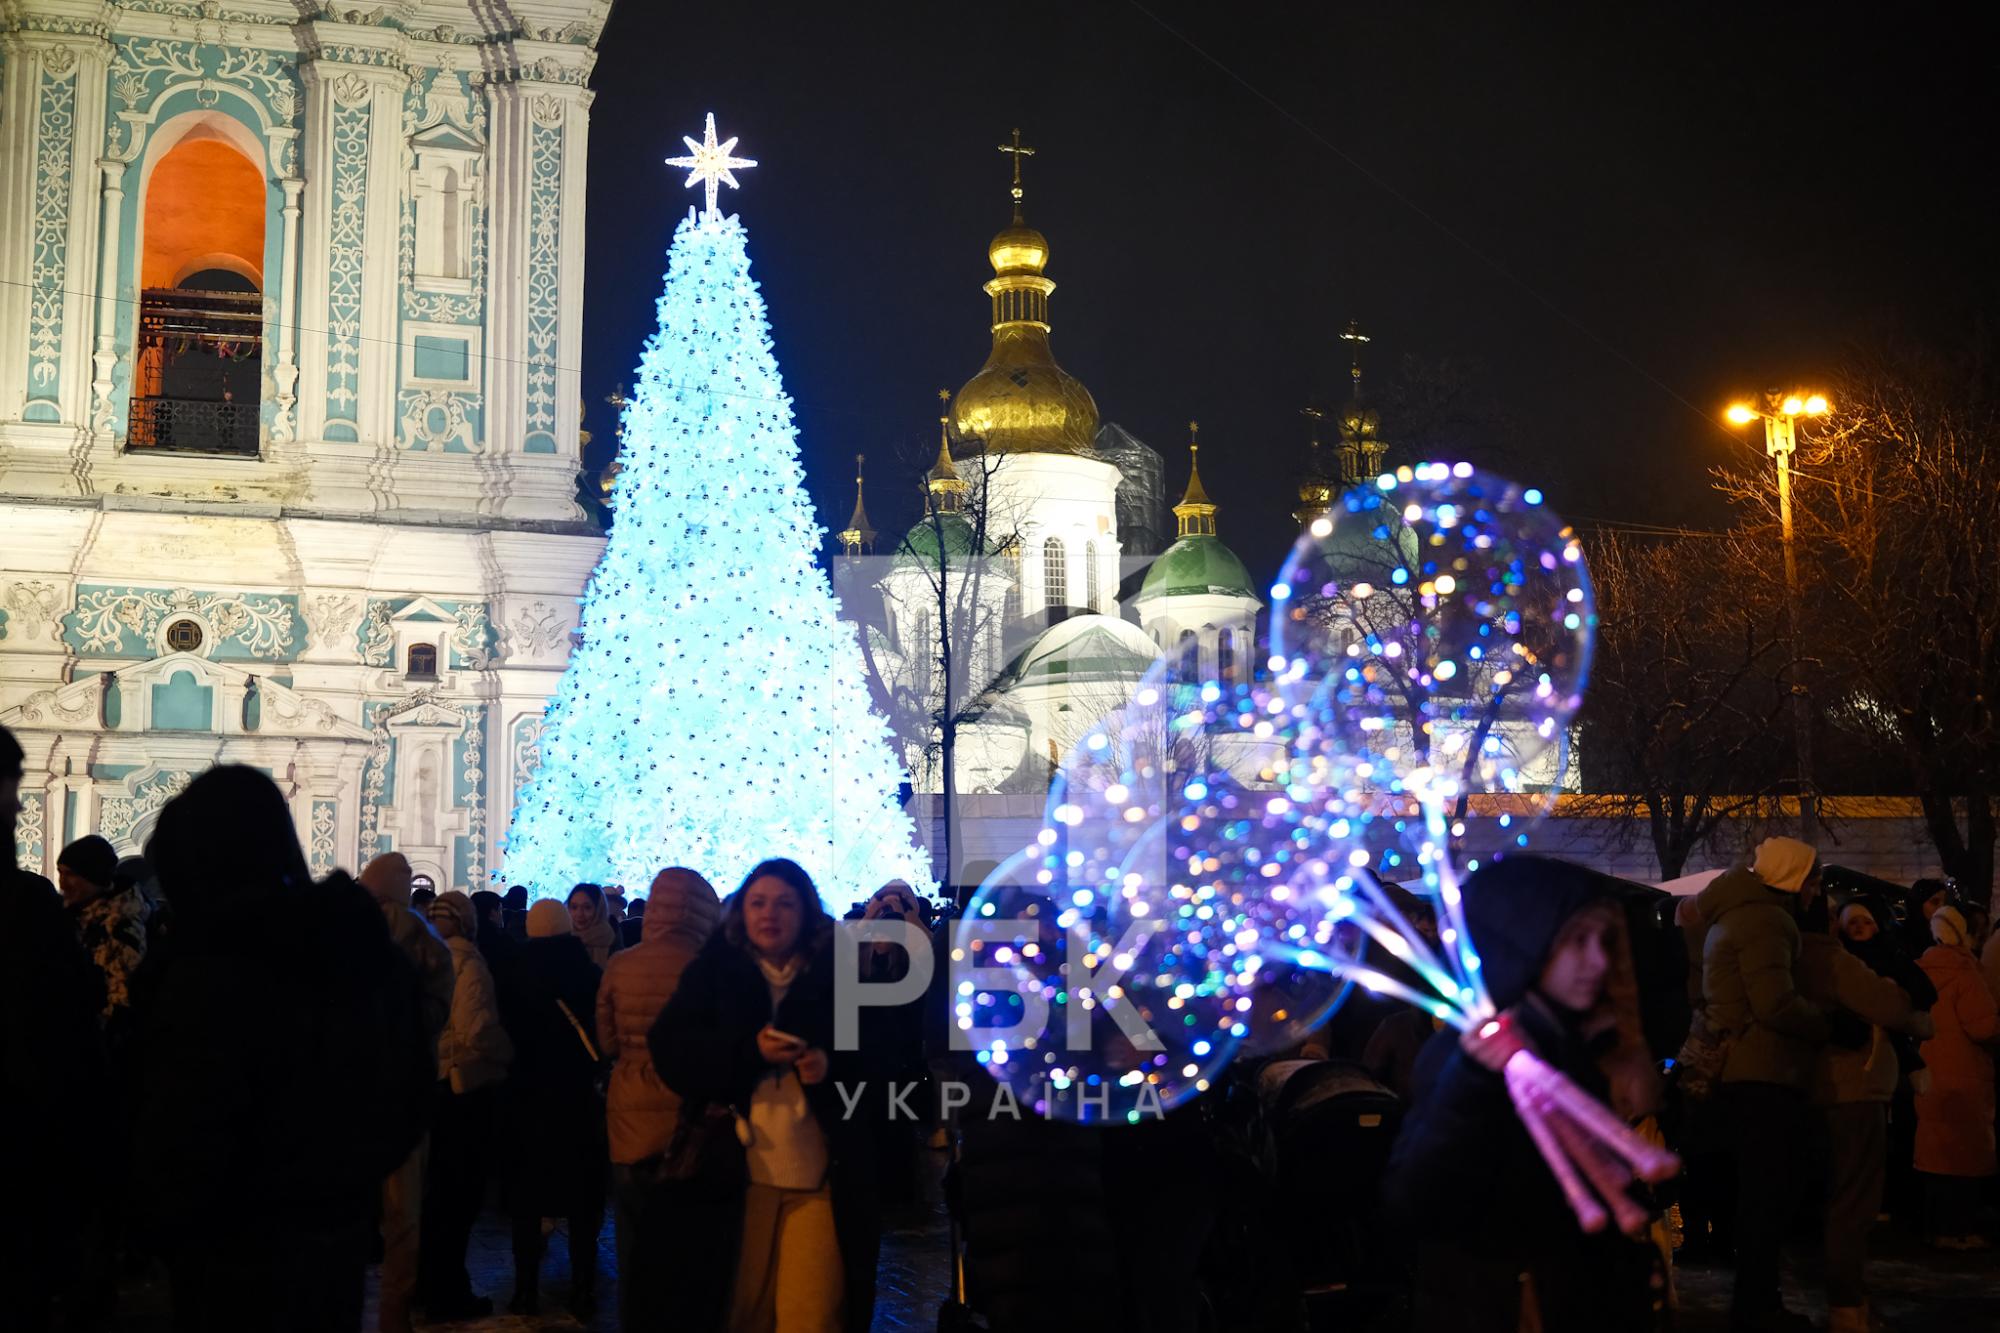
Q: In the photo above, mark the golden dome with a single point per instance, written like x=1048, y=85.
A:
x=1018, y=249
x=1022, y=402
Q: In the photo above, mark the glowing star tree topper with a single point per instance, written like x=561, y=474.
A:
x=716, y=712
x=711, y=164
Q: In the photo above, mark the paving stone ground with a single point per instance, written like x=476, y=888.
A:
x=1916, y=1289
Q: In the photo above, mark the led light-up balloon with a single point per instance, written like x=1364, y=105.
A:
x=1438, y=624
x=1070, y=988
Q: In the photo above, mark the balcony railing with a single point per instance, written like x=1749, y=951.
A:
x=191, y=425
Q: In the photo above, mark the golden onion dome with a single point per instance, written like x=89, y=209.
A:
x=1018, y=249
x=1021, y=401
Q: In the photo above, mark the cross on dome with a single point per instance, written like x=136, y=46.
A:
x=1018, y=152
x=711, y=164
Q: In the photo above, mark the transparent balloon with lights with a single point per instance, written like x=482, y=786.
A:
x=1437, y=625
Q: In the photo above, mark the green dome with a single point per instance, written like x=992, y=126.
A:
x=1084, y=649
x=920, y=545
x=1198, y=566
x=1368, y=544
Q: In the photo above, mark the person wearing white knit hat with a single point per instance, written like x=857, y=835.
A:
x=1772, y=1036
x=1955, y=1143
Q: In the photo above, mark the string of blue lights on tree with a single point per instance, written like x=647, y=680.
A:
x=715, y=712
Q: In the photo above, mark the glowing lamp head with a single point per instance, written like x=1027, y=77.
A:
x=1741, y=414
x=1793, y=406
x=1817, y=406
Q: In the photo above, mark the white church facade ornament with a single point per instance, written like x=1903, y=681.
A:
x=302, y=532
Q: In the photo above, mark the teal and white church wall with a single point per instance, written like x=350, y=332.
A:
x=356, y=564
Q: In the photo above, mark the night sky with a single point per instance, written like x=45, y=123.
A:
x=1611, y=220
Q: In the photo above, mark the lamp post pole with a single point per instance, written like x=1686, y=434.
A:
x=1779, y=442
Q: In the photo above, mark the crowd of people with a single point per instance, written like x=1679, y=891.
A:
x=263, y=1082
x=1827, y=1048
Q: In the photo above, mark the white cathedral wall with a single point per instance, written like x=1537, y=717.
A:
x=1034, y=497
x=1207, y=614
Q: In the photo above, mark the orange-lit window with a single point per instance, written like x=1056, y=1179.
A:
x=199, y=370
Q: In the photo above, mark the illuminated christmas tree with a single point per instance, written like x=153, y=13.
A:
x=715, y=712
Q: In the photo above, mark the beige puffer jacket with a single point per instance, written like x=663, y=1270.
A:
x=473, y=1049
x=681, y=912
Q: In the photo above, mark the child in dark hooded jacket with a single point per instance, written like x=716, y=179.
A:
x=1495, y=1239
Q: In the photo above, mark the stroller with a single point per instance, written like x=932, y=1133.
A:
x=1050, y=1216
x=1331, y=1127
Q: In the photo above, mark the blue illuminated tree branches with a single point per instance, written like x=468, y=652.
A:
x=716, y=711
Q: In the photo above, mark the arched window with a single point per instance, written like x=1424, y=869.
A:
x=1225, y=657
x=1190, y=650
x=422, y=663
x=1092, y=593
x=1055, y=574
x=198, y=366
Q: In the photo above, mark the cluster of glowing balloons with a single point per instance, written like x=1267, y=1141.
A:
x=1210, y=877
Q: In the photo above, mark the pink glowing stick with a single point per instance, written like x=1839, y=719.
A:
x=1589, y=1214
x=1653, y=1163
x=1540, y=1092
x=1607, y=1175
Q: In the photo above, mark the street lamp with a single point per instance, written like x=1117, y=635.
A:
x=1780, y=439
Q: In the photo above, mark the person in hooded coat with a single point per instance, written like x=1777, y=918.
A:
x=51, y=1073
x=552, y=1121
x=1955, y=1145
x=285, y=1068
x=1496, y=1242
x=473, y=1054
x=673, y=1260
x=590, y=916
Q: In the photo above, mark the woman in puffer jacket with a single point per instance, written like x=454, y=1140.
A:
x=473, y=1052
x=1955, y=1143
x=673, y=1262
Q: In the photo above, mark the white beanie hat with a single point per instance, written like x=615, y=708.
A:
x=1949, y=929
x=1784, y=863
x=547, y=918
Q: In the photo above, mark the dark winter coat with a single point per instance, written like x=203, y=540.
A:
x=1886, y=957
x=496, y=945
x=1466, y=1183
x=286, y=1067
x=1749, y=985
x=51, y=1079
x=1834, y=978
x=553, y=1119
x=705, y=1048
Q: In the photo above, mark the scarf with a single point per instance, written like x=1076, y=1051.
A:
x=598, y=940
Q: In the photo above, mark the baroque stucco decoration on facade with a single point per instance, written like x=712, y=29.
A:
x=381, y=465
